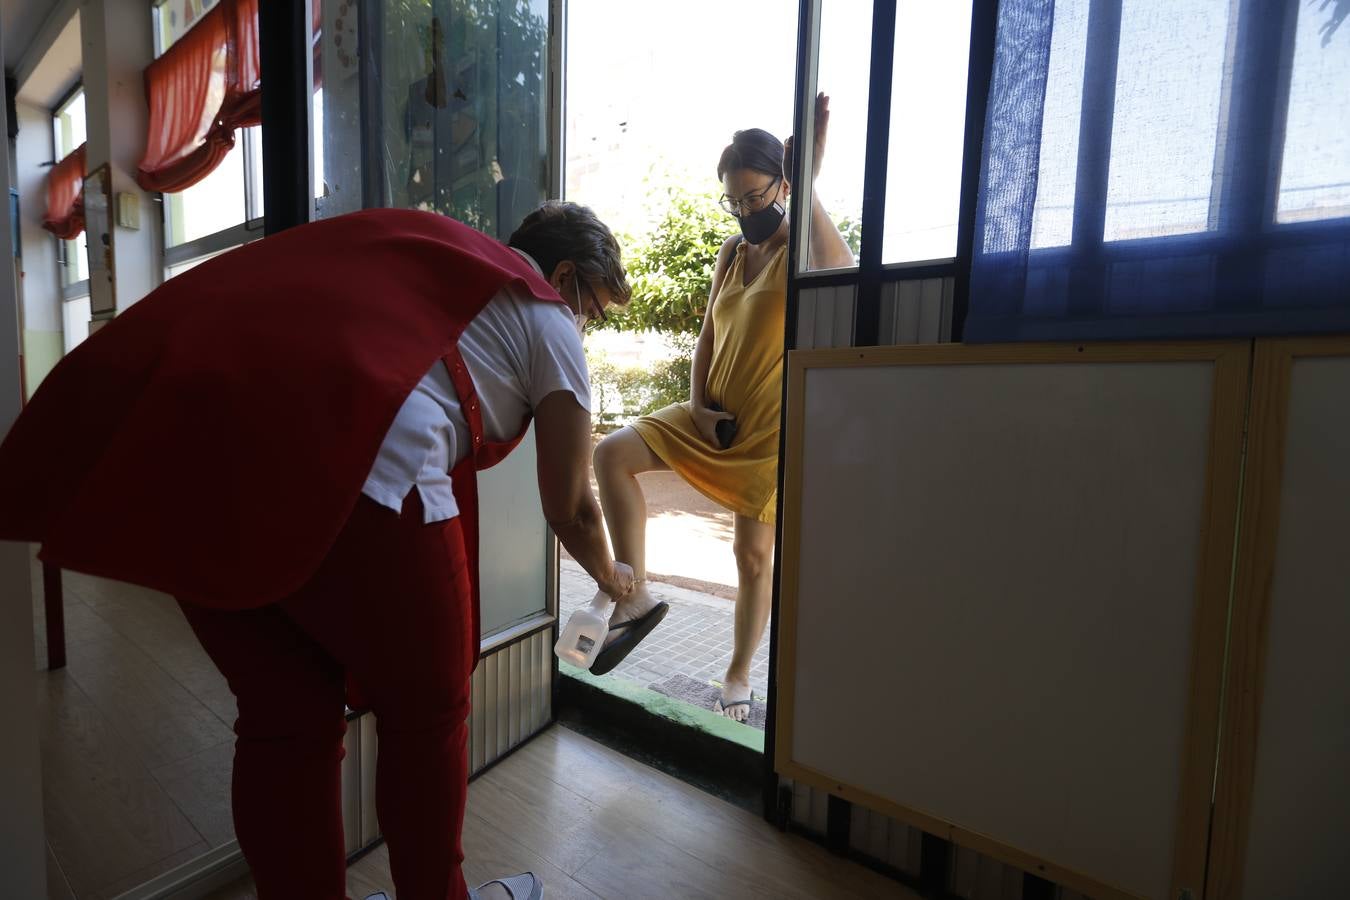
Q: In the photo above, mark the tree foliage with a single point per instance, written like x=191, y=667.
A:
x=671, y=267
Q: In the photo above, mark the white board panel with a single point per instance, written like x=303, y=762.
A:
x=1300, y=813
x=1008, y=553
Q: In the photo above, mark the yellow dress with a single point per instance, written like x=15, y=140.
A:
x=745, y=378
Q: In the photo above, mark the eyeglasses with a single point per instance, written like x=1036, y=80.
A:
x=593, y=322
x=750, y=202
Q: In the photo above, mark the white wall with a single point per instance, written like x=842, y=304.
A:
x=117, y=46
x=22, y=845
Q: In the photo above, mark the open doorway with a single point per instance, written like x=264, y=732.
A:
x=646, y=122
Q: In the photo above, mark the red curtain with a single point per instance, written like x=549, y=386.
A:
x=186, y=88
x=208, y=84
x=243, y=97
x=65, y=196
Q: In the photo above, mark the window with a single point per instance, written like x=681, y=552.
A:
x=69, y=124
x=1170, y=83
x=843, y=58
x=1164, y=169
x=73, y=256
x=174, y=18
x=1052, y=218
x=928, y=121
x=462, y=120
x=922, y=199
x=69, y=131
x=225, y=208
x=230, y=196
x=1315, y=169
x=75, y=321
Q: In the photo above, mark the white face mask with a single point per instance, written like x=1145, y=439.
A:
x=580, y=317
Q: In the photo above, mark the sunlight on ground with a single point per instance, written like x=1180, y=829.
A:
x=692, y=546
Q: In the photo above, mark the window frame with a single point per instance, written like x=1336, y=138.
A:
x=237, y=235
x=870, y=275
x=64, y=248
x=1256, y=54
x=61, y=106
x=157, y=31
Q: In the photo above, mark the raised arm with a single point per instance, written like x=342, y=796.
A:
x=828, y=249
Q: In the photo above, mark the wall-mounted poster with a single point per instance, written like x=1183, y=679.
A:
x=98, y=205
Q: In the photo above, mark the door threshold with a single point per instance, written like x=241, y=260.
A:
x=697, y=746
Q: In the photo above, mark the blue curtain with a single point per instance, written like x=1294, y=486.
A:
x=1164, y=168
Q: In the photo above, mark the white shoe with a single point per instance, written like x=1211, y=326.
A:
x=378, y=895
x=520, y=887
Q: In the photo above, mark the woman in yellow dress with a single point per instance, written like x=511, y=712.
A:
x=724, y=440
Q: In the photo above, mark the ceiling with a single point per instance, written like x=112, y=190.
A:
x=19, y=24
x=22, y=22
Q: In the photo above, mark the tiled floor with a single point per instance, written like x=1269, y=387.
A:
x=695, y=639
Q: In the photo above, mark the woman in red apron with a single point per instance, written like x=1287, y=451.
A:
x=285, y=439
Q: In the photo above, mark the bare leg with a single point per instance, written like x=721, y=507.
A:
x=619, y=459
x=753, y=546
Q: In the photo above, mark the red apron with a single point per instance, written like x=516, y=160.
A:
x=254, y=392
x=464, y=475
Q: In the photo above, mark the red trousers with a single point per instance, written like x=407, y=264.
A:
x=391, y=606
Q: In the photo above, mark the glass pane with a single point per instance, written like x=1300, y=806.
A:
x=74, y=322
x=77, y=260
x=1169, y=85
x=255, y=173
x=318, y=142
x=69, y=125
x=212, y=204
x=843, y=58
x=338, y=114
x=460, y=124
x=465, y=109
x=928, y=121
x=175, y=17
x=623, y=155
x=1315, y=172
x=1052, y=217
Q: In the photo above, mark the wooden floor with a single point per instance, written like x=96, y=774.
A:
x=137, y=749
x=136, y=741
x=593, y=823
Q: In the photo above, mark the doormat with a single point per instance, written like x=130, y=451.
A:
x=704, y=694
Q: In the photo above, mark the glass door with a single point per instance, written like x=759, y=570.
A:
x=447, y=106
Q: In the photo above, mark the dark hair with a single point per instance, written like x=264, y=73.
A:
x=560, y=231
x=754, y=149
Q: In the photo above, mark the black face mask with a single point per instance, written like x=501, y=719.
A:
x=758, y=227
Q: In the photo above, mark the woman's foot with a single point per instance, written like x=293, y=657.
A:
x=637, y=604
x=735, y=700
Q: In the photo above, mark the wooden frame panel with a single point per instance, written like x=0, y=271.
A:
x=1219, y=517
x=1254, y=574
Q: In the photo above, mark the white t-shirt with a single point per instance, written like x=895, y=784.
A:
x=518, y=350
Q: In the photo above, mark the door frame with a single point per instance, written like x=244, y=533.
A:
x=870, y=276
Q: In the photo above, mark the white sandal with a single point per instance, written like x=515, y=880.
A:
x=520, y=887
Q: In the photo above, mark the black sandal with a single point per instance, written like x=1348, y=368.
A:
x=634, y=630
